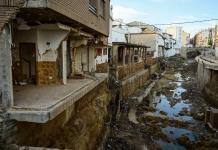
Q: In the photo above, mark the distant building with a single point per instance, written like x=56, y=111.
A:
x=119, y=30
x=161, y=44
x=176, y=32
x=170, y=44
x=216, y=40
x=185, y=39
x=205, y=38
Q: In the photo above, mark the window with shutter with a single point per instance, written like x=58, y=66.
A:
x=93, y=6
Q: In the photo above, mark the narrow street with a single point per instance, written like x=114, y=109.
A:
x=170, y=117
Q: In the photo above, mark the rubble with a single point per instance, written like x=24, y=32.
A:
x=181, y=117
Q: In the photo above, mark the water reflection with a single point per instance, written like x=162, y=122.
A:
x=175, y=133
x=169, y=146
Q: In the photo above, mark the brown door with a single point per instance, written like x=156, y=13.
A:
x=28, y=62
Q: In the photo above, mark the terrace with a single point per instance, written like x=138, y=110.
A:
x=40, y=104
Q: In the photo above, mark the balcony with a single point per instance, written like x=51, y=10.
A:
x=40, y=104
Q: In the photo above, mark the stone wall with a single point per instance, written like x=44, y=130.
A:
x=125, y=71
x=46, y=73
x=102, y=68
x=80, y=127
x=130, y=85
x=151, y=61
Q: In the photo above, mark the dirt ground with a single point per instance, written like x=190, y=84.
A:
x=171, y=117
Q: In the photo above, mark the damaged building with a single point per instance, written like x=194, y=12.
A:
x=50, y=53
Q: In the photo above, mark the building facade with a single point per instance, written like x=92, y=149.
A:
x=49, y=53
x=185, y=39
x=176, y=32
x=205, y=38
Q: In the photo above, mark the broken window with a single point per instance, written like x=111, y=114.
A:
x=93, y=6
x=102, y=9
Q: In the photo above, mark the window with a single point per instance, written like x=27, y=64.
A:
x=93, y=6
x=102, y=9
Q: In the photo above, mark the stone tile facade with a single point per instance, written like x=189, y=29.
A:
x=46, y=73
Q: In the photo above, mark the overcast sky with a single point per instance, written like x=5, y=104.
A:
x=168, y=11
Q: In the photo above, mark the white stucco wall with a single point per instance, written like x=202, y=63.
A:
x=54, y=37
x=41, y=38
x=103, y=58
x=119, y=32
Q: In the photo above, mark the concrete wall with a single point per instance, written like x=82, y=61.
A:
x=77, y=11
x=6, y=91
x=145, y=39
x=47, y=42
x=207, y=80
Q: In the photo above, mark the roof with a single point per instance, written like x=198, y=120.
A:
x=130, y=44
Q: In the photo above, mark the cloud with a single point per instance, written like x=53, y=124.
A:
x=128, y=14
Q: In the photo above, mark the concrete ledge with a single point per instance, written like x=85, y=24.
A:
x=208, y=62
x=43, y=116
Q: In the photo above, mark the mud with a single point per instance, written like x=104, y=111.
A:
x=170, y=117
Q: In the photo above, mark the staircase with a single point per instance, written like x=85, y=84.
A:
x=8, y=10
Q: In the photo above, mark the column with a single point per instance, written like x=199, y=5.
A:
x=124, y=56
x=64, y=59
x=6, y=86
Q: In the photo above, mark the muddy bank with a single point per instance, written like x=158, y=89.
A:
x=171, y=117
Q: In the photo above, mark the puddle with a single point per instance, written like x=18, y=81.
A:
x=169, y=146
x=175, y=133
x=172, y=110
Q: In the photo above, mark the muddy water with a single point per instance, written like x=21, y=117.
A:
x=171, y=117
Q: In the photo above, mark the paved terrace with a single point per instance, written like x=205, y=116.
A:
x=43, y=103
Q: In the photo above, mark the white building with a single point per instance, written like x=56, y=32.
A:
x=176, y=32
x=120, y=30
x=152, y=39
x=170, y=44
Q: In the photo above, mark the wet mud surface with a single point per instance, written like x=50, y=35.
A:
x=171, y=117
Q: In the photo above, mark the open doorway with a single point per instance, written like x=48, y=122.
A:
x=28, y=62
